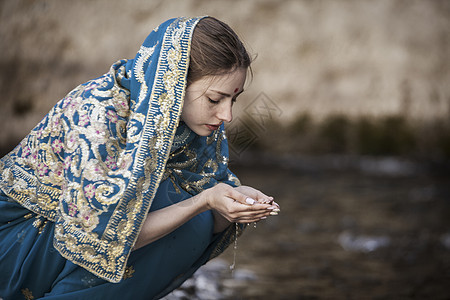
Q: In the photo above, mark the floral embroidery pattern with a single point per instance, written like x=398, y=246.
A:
x=94, y=163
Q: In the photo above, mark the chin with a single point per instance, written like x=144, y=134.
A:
x=204, y=133
x=201, y=131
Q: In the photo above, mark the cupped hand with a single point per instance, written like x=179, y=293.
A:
x=241, y=205
x=256, y=195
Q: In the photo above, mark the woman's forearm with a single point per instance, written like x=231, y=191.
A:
x=228, y=205
x=163, y=221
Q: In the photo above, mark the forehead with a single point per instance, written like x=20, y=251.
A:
x=231, y=82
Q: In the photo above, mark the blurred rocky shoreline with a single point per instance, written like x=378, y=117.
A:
x=341, y=234
x=382, y=63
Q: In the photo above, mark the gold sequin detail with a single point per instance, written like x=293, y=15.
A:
x=129, y=271
x=27, y=294
x=40, y=223
x=27, y=216
x=94, y=163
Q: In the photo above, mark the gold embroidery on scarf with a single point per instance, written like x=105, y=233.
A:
x=233, y=178
x=129, y=271
x=221, y=159
x=207, y=171
x=77, y=213
x=40, y=224
x=211, y=164
x=27, y=294
x=174, y=183
x=192, y=186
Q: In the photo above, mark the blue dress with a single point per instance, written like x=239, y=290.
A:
x=31, y=267
x=76, y=191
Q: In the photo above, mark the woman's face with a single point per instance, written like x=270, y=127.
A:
x=208, y=101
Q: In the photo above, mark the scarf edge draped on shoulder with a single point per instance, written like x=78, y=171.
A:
x=94, y=163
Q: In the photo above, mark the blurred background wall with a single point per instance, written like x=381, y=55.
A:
x=315, y=60
x=348, y=109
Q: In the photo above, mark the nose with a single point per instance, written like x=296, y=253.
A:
x=225, y=113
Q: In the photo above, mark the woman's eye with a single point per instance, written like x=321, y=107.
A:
x=213, y=101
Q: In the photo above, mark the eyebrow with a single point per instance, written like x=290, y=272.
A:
x=227, y=95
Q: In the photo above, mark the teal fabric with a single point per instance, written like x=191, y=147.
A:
x=76, y=190
x=30, y=264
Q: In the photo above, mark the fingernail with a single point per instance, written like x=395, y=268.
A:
x=263, y=218
x=272, y=207
x=250, y=201
x=276, y=210
x=273, y=213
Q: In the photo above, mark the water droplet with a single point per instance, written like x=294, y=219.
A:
x=233, y=265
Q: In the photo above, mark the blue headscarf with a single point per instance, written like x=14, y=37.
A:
x=94, y=163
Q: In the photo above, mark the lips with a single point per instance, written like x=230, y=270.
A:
x=212, y=127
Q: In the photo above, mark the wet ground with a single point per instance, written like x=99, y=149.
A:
x=343, y=233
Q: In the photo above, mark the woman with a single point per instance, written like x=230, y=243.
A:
x=123, y=189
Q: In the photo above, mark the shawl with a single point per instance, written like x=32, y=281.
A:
x=94, y=163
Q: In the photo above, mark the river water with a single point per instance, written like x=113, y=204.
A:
x=342, y=234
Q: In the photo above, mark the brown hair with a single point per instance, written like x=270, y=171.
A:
x=215, y=50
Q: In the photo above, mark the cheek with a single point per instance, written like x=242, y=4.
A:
x=192, y=111
x=201, y=109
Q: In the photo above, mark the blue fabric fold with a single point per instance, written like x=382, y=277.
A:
x=83, y=181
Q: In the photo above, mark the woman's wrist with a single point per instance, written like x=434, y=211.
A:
x=205, y=200
x=220, y=222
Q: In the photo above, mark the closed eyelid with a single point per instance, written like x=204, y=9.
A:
x=213, y=101
x=218, y=96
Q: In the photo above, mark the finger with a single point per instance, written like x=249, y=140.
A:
x=251, y=214
x=263, y=198
x=249, y=220
x=241, y=198
x=263, y=207
x=258, y=214
x=238, y=207
x=255, y=194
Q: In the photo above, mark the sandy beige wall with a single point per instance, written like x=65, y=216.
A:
x=321, y=57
